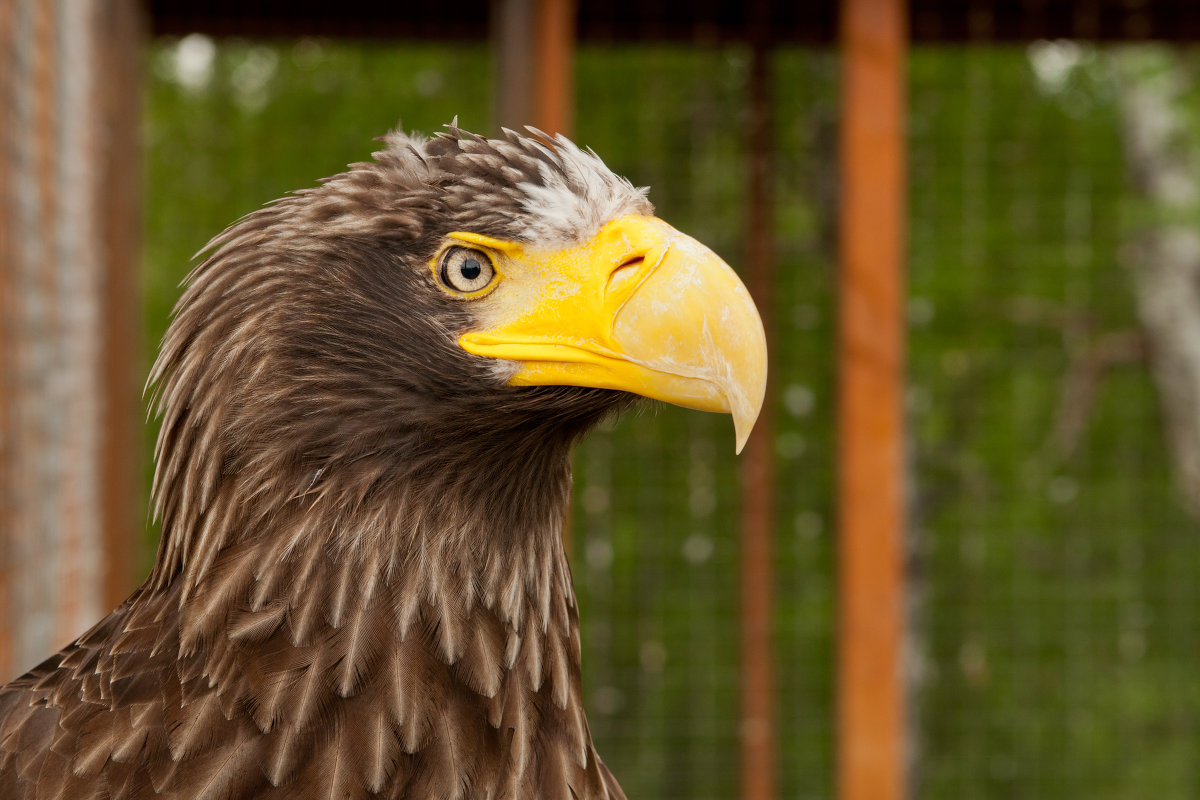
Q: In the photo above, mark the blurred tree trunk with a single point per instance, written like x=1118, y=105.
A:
x=69, y=103
x=1157, y=95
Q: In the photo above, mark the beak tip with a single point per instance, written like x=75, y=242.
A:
x=743, y=426
x=745, y=407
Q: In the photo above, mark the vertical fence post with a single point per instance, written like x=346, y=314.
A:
x=512, y=46
x=534, y=42
x=871, y=611
x=554, y=66
x=120, y=39
x=757, y=578
x=8, y=334
x=68, y=219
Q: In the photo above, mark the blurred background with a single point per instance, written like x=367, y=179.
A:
x=1039, y=500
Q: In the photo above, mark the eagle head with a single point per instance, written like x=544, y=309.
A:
x=456, y=296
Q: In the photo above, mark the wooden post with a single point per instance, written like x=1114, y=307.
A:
x=121, y=38
x=8, y=336
x=871, y=610
x=554, y=66
x=68, y=215
x=512, y=47
x=534, y=42
x=757, y=466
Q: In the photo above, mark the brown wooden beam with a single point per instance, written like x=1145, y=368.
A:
x=8, y=336
x=121, y=37
x=870, y=693
x=757, y=726
x=534, y=46
x=554, y=66
x=512, y=30
x=647, y=21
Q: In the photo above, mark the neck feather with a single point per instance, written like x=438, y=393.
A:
x=431, y=603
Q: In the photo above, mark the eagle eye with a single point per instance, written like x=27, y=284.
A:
x=465, y=270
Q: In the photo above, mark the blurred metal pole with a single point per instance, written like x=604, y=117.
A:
x=7, y=336
x=68, y=321
x=121, y=36
x=757, y=465
x=534, y=43
x=871, y=602
x=554, y=67
x=512, y=48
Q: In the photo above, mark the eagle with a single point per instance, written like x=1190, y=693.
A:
x=369, y=392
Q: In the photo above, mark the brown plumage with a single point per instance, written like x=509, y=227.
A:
x=361, y=589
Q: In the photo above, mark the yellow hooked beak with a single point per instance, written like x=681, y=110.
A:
x=640, y=307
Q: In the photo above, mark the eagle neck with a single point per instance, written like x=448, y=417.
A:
x=434, y=601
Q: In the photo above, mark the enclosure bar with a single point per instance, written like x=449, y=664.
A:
x=534, y=44
x=8, y=312
x=121, y=36
x=512, y=48
x=870, y=693
x=757, y=726
x=554, y=66
x=51, y=309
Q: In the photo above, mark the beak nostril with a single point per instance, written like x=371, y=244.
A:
x=627, y=270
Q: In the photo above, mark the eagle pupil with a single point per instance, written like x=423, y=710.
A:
x=466, y=271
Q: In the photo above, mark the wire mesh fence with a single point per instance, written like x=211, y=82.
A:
x=1056, y=611
x=1059, y=608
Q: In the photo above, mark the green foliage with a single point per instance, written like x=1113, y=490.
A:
x=1060, y=625
x=1057, y=601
